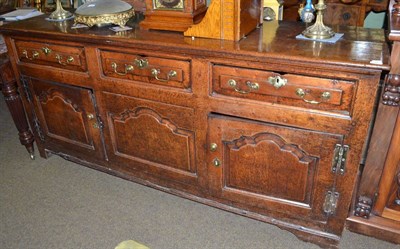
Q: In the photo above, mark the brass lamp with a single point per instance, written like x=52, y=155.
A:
x=60, y=13
x=318, y=30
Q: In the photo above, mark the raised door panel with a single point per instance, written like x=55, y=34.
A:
x=394, y=196
x=151, y=138
x=281, y=170
x=65, y=118
x=388, y=200
x=391, y=209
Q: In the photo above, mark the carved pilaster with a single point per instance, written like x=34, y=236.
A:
x=363, y=207
x=391, y=92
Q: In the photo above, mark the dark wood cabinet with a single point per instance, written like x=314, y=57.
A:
x=252, y=127
x=339, y=12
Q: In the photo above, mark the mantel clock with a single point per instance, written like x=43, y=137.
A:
x=175, y=15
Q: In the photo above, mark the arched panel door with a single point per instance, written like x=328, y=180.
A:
x=64, y=118
x=276, y=170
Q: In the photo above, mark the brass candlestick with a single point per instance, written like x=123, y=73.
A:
x=60, y=13
x=38, y=4
x=318, y=30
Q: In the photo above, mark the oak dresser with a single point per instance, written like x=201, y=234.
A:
x=270, y=127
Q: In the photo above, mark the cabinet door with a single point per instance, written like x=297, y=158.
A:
x=64, y=118
x=392, y=208
x=151, y=139
x=276, y=170
x=388, y=199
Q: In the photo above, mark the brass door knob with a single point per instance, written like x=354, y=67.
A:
x=90, y=116
x=213, y=147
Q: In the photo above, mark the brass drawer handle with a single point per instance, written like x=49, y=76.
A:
x=156, y=72
x=46, y=50
x=35, y=54
x=69, y=59
x=252, y=86
x=277, y=81
x=128, y=68
x=302, y=94
x=141, y=63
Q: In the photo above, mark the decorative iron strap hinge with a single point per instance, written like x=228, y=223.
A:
x=100, y=123
x=330, y=203
x=27, y=91
x=339, y=159
x=37, y=127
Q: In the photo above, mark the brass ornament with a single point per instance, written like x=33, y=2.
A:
x=60, y=13
x=119, y=19
x=318, y=30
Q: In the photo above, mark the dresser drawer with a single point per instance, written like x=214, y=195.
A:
x=153, y=70
x=61, y=56
x=281, y=88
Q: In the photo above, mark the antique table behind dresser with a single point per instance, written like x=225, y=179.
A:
x=9, y=88
x=270, y=127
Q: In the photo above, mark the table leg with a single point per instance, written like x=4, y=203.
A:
x=14, y=104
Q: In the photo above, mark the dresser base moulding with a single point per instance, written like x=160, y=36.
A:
x=323, y=239
x=375, y=226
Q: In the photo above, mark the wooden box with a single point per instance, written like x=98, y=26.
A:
x=228, y=20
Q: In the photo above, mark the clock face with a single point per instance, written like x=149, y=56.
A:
x=168, y=4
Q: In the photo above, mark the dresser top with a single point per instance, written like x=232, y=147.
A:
x=273, y=41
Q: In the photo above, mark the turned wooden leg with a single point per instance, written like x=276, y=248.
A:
x=14, y=103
